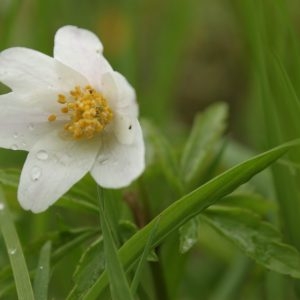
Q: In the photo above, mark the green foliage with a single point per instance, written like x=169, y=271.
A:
x=161, y=147
x=258, y=239
x=199, y=149
x=15, y=252
x=118, y=282
x=89, y=268
x=188, y=206
x=42, y=273
x=183, y=58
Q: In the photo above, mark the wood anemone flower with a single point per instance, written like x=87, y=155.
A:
x=73, y=113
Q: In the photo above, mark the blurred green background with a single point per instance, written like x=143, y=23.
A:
x=182, y=56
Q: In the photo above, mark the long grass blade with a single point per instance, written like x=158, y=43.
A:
x=118, y=283
x=15, y=252
x=42, y=274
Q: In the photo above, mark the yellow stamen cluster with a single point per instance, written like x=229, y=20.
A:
x=88, y=110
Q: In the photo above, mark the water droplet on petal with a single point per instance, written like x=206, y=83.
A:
x=30, y=126
x=65, y=159
x=2, y=206
x=36, y=173
x=12, y=251
x=15, y=135
x=42, y=155
x=14, y=147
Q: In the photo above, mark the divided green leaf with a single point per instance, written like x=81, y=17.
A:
x=256, y=238
x=199, y=149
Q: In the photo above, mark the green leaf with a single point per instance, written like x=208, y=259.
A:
x=256, y=238
x=188, y=235
x=118, y=282
x=164, y=152
x=146, y=252
x=15, y=252
x=10, y=177
x=71, y=244
x=126, y=230
x=89, y=268
x=42, y=274
x=206, y=132
x=63, y=242
x=189, y=206
x=251, y=201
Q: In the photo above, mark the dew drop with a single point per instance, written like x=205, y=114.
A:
x=41, y=267
x=42, y=155
x=15, y=135
x=12, y=251
x=65, y=159
x=36, y=173
x=30, y=126
x=14, y=147
x=2, y=206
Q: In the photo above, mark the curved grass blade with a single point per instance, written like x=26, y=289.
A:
x=189, y=206
x=15, y=252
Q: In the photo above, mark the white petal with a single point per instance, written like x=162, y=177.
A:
x=53, y=165
x=119, y=93
x=125, y=128
x=81, y=50
x=117, y=165
x=21, y=124
x=25, y=70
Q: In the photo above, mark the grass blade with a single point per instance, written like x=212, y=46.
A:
x=118, y=282
x=42, y=274
x=15, y=252
x=146, y=252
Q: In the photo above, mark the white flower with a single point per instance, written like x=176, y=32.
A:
x=73, y=113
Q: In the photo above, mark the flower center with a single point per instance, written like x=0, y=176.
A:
x=88, y=110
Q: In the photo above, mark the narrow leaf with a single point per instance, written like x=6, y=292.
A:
x=146, y=253
x=15, y=252
x=42, y=274
x=118, y=283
